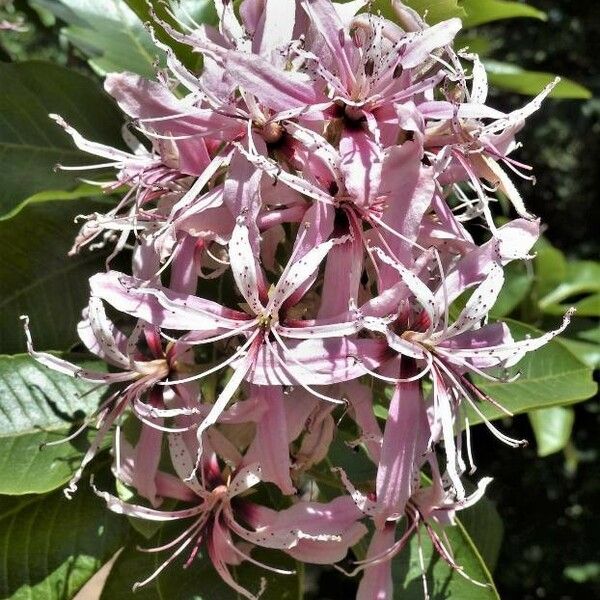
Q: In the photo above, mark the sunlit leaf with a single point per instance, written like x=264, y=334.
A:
x=83, y=190
x=580, y=278
x=486, y=11
x=37, y=406
x=186, y=11
x=516, y=79
x=552, y=428
x=550, y=376
x=108, y=33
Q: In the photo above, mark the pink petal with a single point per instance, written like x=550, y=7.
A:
x=245, y=267
x=323, y=362
x=401, y=450
x=101, y=337
x=323, y=532
x=277, y=89
x=479, y=304
x=360, y=398
x=182, y=459
x=419, y=44
x=242, y=192
x=300, y=270
x=361, y=164
x=149, y=514
x=162, y=307
x=275, y=27
x=443, y=110
x=327, y=22
x=270, y=446
x=299, y=405
x=513, y=241
x=410, y=187
x=147, y=457
x=511, y=353
x=376, y=582
x=184, y=275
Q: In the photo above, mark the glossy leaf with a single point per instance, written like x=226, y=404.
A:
x=37, y=406
x=516, y=79
x=471, y=12
x=50, y=546
x=39, y=279
x=486, y=11
x=199, y=581
x=551, y=376
x=552, y=428
x=585, y=343
x=31, y=144
x=108, y=33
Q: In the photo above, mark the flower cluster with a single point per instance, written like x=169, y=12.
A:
x=297, y=218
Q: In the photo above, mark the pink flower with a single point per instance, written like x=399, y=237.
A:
x=273, y=352
x=308, y=531
x=140, y=371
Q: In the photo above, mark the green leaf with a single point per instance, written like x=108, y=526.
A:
x=484, y=525
x=586, y=352
x=37, y=406
x=433, y=10
x=550, y=266
x=585, y=343
x=31, y=144
x=50, y=546
x=516, y=79
x=108, y=33
x=550, y=376
x=581, y=277
x=443, y=582
x=583, y=573
x=39, y=279
x=198, y=582
x=590, y=335
x=486, y=11
x=552, y=428
x=84, y=190
x=516, y=287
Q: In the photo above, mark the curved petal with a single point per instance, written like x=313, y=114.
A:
x=162, y=307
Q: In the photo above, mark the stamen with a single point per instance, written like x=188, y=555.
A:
x=216, y=368
x=289, y=355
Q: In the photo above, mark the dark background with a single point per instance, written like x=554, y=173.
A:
x=549, y=505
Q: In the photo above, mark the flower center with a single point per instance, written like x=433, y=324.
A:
x=272, y=132
x=158, y=368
